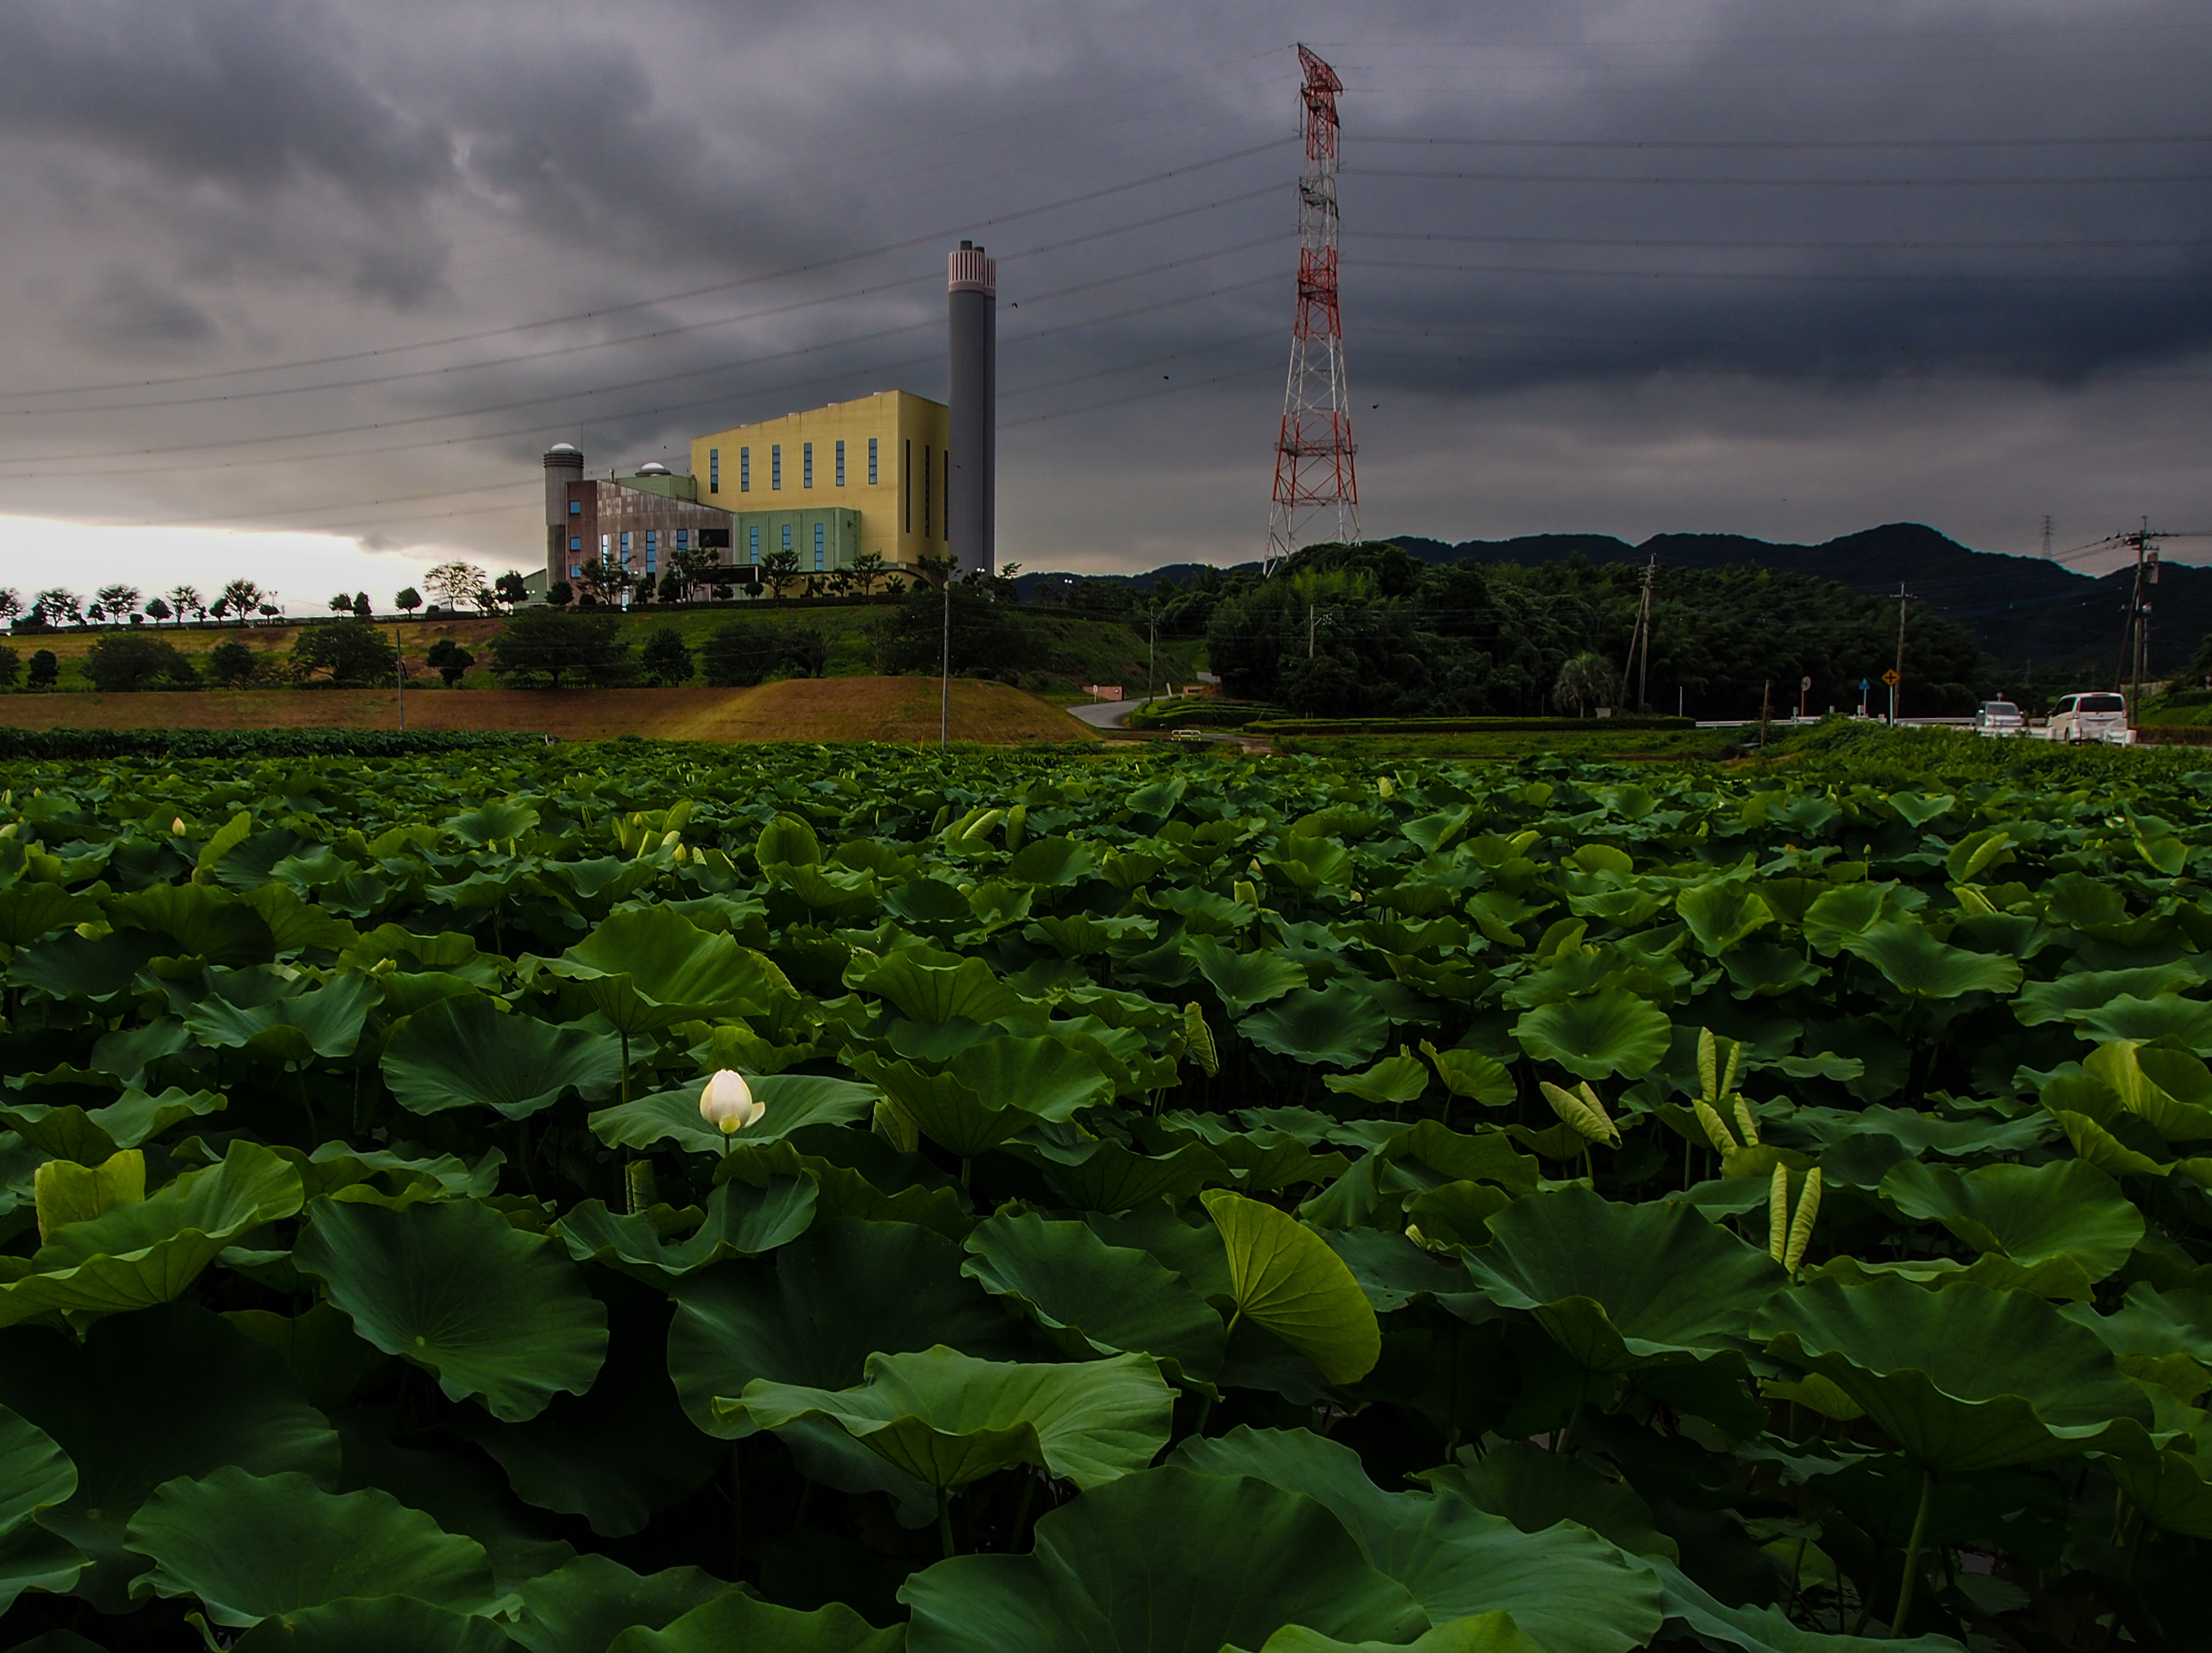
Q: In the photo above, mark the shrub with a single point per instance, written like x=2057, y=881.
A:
x=122, y=662
x=547, y=646
x=449, y=660
x=45, y=669
x=351, y=653
x=664, y=659
x=231, y=663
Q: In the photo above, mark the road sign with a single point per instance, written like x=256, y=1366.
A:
x=1891, y=678
x=1864, y=685
x=1804, y=682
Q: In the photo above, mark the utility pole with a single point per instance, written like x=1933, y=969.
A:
x=1641, y=638
x=2046, y=536
x=944, y=663
x=400, y=654
x=1898, y=674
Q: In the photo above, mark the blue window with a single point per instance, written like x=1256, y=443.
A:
x=575, y=543
x=682, y=539
x=714, y=470
x=625, y=545
x=652, y=563
x=786, y=535
x=754, y=540
x=775, y=465
x=818, y=544
x=652, y=541
x=871, y=462
x=745, y=470
x=575, y=507
x=807, y=464
x=576, y=571
x=841, y=464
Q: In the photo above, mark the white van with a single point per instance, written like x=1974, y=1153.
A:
x=2089, y=717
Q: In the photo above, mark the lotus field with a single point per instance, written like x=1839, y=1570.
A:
x=663, y=1200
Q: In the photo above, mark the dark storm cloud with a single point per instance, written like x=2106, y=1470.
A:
x=347, y=220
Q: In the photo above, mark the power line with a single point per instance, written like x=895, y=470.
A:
x=1781, y=145
x=2077, y=246
x=1735, y=180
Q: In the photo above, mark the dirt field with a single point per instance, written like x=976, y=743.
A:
x=903, y=709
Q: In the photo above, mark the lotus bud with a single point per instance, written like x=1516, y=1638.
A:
x=1198, y=1039
x=1777, y=1214
x=1580, y=1116
x=1246, y=891
x=1715, y=1132
x=1800, y=1227
x=177, y=828
x=1748, y=1121
x=728, y=1103
x=1384, y=786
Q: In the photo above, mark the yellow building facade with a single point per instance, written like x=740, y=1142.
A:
x=883, y=456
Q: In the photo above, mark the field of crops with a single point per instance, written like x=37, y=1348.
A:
x=1148, y=1201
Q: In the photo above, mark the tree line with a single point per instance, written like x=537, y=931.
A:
x=454, y=588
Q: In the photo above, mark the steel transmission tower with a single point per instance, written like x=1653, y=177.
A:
x=1314, y=476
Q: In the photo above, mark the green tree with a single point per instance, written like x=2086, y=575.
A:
x=989, y=639
x=511, y=588
x=545, y=646
x=11, y=667
x=449, y=660
x=779, y=569
x=45, y=669
x=350, y=653
x=341, y=604
x=123, y=662
x=231, y=663
x=560, y=593
x=1585, y=681
x=408, y=600
x=361, y=610
x=868, y=569
x=156, y=610
x=664, y=659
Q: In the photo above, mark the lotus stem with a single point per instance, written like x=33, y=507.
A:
x=737, y=1514
x=1912, y=1553
x=1022, y=1508
x=944, y=1524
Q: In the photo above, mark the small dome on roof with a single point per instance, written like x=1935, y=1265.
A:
x=564, y=448
x=653, y=468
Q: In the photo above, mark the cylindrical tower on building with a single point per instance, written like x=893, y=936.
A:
x=564, y=464
x=971, y=498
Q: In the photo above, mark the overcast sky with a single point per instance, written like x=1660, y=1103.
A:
x=301, y=289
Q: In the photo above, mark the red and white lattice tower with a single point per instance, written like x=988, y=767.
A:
x=1314, y=476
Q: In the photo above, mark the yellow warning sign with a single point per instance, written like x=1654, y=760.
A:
x=1891, y=678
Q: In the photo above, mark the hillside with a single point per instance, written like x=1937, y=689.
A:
x=2024, y=610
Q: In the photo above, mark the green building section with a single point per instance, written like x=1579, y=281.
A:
x=825, y=538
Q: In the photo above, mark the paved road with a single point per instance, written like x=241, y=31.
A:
x=1108, y=713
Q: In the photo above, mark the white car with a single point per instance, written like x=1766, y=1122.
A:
x=1999, y=717
x=2077, y=718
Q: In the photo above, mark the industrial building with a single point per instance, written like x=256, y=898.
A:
x=893, y=474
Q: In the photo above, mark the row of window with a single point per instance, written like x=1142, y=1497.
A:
x=776, y=466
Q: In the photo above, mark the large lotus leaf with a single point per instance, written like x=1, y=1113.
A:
x=1039, y=1076
x=28, y=911
x=1485, y=1632
x=1283, y=1278
x=1571, y=1590
x=1721, y=914
x=1769, y=1630
x=735, y=1620
x=376, y=1624
x=252, y=1545
x=939, y=988
x=319, y=1347
x=1921, y=967
x=1168, y=1561
x=2169, y=1016
x=582, y=1607
x=943, y=1107
x=144, y=1399
x=1337, y=1025
x=463, y=1053
x=2165, y=1088
x=947, y=1418
x=1099, y=1175
x=204, y=923
x=1609, y=1031
x=813, y=1315
x=2152, y=1322
x=92, y=1135
x=1244, y=980
x=2084, y=991
x=1093, y=1299
x=297, y=1028
x=648, y=967
x=143, y=1252
x=791, y=1101
x=2064, y=1208
x=489, y=1311
x=35, y=1475
x=1623, y=1286
x=73, y=966
x=1534, y=1488
x=738, y=1221
x=1961, y=1379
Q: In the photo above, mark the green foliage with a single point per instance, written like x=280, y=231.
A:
x=349, y=653
x=449, y=660
x=1287, y=1206
x=664, y=660
x=548, y=648
x=744, y=653
x=45, y=669
x=124, y=661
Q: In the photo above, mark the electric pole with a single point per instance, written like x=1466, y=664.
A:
x=2046, y=536
x=1641, y=637
x=1897, y=674
x=944, y=663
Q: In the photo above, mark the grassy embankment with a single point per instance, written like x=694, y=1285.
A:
x=900, y=709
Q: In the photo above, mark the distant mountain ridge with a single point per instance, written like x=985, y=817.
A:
x=2023, y=609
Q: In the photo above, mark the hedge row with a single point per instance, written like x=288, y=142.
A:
x=1462, y=725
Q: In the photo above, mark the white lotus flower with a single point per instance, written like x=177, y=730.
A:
x=727, y=1102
